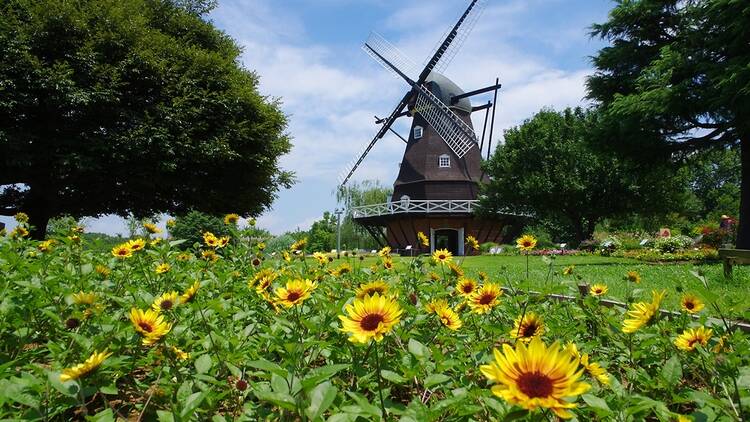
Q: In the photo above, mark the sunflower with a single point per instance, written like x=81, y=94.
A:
x=529, y=327
x=286, y=256
x=85, y=368
x=691, y=304
x=299, y=245
x=486, y=298
x=122, y=251
x=295, y=292
x=180, y=354
x=231, y=219
x=568, y=270
x=19, y=232
x=435, y=305
x=321, y=258
x=370, y=318
x=166, y=302
x=483, y=276
x=342, y=269
x=210, y=239
x=466, y=286
x=423, y=239
x=433, y=276
x=442, y=256
x=255, y=262
x=369, y=289
x=136, y=245
x=599, y=290
x=223, y=241
x=526, y=242
x=536, y=376
x=456, y=270
x=189, y=294
x=21, y=217
x=633, y=277
x=150, y=324
x=82, y=298
x=184, y=256
x=261, y=246
x=210, y=256
x=387, y=263
x=385, y=252
x=163, y=268
x=263, y=280
x=103, y=271
x=45, y=246
x=472, y=242
x=692, y=337
x=171, y=223
x=595, y=370
x=151, y=228
x=449, y=317
x=641, y=313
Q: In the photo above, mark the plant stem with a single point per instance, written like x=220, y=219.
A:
x=380, y=380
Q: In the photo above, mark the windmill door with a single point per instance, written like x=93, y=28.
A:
x=447, y=239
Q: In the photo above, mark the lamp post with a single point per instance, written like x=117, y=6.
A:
x=338, y=212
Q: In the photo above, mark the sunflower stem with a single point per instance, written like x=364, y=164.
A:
x=380, y=380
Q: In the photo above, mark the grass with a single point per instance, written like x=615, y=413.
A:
x=733, y=295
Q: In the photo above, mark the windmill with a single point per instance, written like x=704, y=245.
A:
x=438, y=182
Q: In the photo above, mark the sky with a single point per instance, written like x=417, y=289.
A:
x=308, y=54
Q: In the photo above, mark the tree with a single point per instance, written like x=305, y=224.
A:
x=130, y=107
x=547, y=166
x=715, y=182
x=322, y=234
x=675, y=79
x=357, y=194
x=192, y=225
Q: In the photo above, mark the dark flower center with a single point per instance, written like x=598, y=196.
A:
x=468, y=288
x=486, y=299
x=529, y=329
x=535, y=384
x=371, y=322
x=145, y=326
x=689, y=305
x=166, y=304
x=372, y=290
x=441, y=257
x=293, y=296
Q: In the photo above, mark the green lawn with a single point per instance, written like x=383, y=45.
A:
x=733, y=295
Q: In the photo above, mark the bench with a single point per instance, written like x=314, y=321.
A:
x=733, y=257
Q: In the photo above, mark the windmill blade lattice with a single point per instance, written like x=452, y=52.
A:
x=457, y=134
x=391, y=53
x=463, y=32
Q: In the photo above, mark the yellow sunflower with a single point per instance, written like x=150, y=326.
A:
x=633, y=277
x=691, y=304
x=436, y=304
x=151, y=228
x=210, y=256
x=82, y=298
x=529, y=327
x=19, y=232
x=642, y=313
x=599, y=290
x=595, y=370
x=536, y=376
x=294, y=293
x=321, y=258
x=387, y=263
x=449, y=317
x=210, y=239
x=150, y=324
x=231, y=219
x=122, y=251
x=466, y=286
x=342, y=269
x=472, y=242
x=692, y=337
x=299, y=245
x=166, y=301
x=136, y=245
x=21, y=217
x=45, y=246
x=85, y=368
x=526, y=242
x=423, y=239
x=103, y=271
x=189, y=294
x=385, y=252
x=568, y=270
x=456, y=270
x=486, y=298
x=370, y=318
x=223, y=241
x=263, y=279
x=442, y=256
x=180, y=354
x=171, y=223
x=371, y=288
x=163, y=268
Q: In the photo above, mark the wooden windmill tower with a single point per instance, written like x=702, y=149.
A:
x=440, y=174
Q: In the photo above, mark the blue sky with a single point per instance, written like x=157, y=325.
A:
x=307, y=52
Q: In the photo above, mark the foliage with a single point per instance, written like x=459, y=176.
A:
x=322, y=234
x=655, y=255
x=192, y=225
x=130, y=106
x=715, y=182
x=280, y=243
x=672, y=243
x=357, y=194
x=241, y=357
x=547, y=166
x=675, y=78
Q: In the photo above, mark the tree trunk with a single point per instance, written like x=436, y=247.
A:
x=38, y=206
x=578, y=232
x=743, y=231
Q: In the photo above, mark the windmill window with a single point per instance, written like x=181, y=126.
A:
x=444, y=161
x=418, y=132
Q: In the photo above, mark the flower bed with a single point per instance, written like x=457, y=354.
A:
x=226, y=331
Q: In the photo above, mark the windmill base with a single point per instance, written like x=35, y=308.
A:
x=399, y=231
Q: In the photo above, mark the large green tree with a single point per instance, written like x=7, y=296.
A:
x=548, y=166
x=675, y=79
x=357, y=194
x=130, y=106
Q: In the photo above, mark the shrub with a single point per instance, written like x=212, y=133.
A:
x=673, y=243
x=192, y=225
x=279, y=243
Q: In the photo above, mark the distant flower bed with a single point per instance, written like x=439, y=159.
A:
x=653, y=255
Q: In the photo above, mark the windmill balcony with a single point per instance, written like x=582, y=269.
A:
x=406, y=206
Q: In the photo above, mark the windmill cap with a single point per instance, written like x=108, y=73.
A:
x=446, y=88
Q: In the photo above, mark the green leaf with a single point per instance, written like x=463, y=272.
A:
x=193, y=401
x=596, y=403
x=268, y=366
x=279, y=384
x=165, y=416
x=203, y=364
x=105, y=415
x=282, y=400
x=418, y=349
x=109, y=389
x=435, y=379
x=321, y=399
x=321, y=374
x=392, y=376
x=672, y=371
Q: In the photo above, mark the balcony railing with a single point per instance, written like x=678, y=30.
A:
x=416, y=206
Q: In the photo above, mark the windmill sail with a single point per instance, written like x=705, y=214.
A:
x=459, y=137
x=381, y=51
